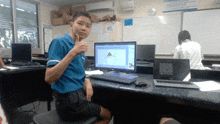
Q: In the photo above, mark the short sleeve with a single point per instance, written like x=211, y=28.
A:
x=55, y=53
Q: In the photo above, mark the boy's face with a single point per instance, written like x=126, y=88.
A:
x=81, y=26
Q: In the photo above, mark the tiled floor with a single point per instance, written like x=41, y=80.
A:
x=24, y=114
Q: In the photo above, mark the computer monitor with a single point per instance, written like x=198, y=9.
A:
x=21, y=52
x=146, y=53
x=116, y=56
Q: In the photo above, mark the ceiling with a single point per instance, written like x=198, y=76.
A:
x=61, y=3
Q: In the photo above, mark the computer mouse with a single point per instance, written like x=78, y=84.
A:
x=140, y=84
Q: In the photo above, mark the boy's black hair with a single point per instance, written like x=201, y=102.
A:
x=183, y=35
x=81, y=13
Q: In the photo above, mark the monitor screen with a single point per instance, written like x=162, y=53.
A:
x=21, y=52
x=119, y=56
x=146, y=52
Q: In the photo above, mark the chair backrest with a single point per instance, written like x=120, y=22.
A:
x=51, y=117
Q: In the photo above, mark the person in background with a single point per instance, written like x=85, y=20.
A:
x=66, y=74
x=188, y=49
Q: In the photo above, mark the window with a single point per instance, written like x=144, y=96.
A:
x=6, y=24
x=27, y=24
x=19, y=23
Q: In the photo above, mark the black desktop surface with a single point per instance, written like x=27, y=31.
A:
x=156, y=102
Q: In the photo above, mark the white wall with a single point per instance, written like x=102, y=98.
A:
x=141, y=8
x=45, y=19
x=46, y=9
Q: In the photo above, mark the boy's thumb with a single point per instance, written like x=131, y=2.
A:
x=77, y=38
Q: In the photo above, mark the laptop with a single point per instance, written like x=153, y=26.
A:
x=145, y=53
x=171, y=72
x=21, y=53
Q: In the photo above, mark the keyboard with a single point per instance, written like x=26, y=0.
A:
x=19, y=63
x=33, y=66
x=142, y=62
x=115, y=79
x=175, y=84
x=25, y=63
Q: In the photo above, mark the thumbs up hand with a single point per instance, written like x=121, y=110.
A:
x=80, y=47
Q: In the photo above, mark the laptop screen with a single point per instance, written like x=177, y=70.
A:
x=171, y=69
x=21, y=52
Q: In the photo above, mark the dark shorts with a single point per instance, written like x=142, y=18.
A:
x=74, y=106
x=172, y=122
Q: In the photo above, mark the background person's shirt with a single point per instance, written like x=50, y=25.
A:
x=190, y=50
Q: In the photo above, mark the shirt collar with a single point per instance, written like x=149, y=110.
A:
x=187, y=40
x=69, y=38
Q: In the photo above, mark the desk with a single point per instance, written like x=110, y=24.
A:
x=133, y=105
x=22, y=86
x=41, y=60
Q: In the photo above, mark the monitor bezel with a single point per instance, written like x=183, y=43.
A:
x=116, y=69
x=13, y=45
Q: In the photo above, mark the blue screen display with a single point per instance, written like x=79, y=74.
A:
x=115, y=55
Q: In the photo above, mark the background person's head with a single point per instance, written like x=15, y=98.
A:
x=81, y=24
x=183, y=35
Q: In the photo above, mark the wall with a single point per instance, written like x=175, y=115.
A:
x=141, y=8
x=44, y=19
x=45, y=10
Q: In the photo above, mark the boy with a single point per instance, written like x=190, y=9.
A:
x=66, y=74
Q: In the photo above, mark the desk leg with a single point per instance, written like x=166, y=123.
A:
x=48, y=105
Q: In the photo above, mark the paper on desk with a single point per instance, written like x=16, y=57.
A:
x=188, y=77
x=208, y=85
x=88, y=73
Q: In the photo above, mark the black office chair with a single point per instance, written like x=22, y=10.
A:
x=51, y=117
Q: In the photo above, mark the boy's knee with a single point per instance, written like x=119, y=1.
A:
x=165, y=119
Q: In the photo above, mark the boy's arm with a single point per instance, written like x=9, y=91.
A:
x=54, y=72
x=88, y=89
x=2, y=64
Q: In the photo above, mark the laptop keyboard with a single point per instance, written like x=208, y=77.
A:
x=175, y=84
x=114, y=79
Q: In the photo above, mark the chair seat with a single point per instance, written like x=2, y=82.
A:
x=51, y=117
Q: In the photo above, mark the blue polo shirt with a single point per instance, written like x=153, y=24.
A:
x=73, y=77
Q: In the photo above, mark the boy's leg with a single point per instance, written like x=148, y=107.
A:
x=165, y=120
x=74, y=106
x=106, y=115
